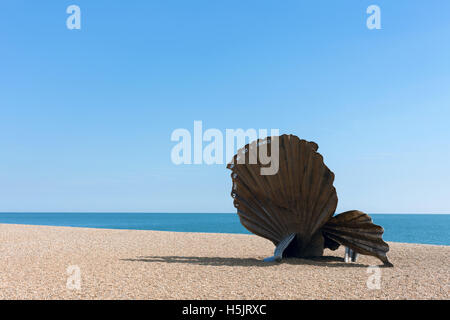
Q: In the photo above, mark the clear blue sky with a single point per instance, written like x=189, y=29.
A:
x=86, y=115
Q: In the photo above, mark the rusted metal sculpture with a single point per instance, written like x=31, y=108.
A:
x=294, y=208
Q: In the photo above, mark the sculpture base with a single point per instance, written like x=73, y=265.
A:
x=301, y=248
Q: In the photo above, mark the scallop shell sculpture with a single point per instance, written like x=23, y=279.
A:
x=294, y=207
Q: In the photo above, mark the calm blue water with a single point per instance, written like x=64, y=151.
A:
x=412, y=228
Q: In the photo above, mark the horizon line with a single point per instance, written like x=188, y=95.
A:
x=173, y=212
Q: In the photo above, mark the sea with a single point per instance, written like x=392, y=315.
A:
x=409, y=228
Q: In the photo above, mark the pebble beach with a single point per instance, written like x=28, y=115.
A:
x=40, y=262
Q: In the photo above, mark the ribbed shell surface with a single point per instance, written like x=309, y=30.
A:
x=300, y=198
